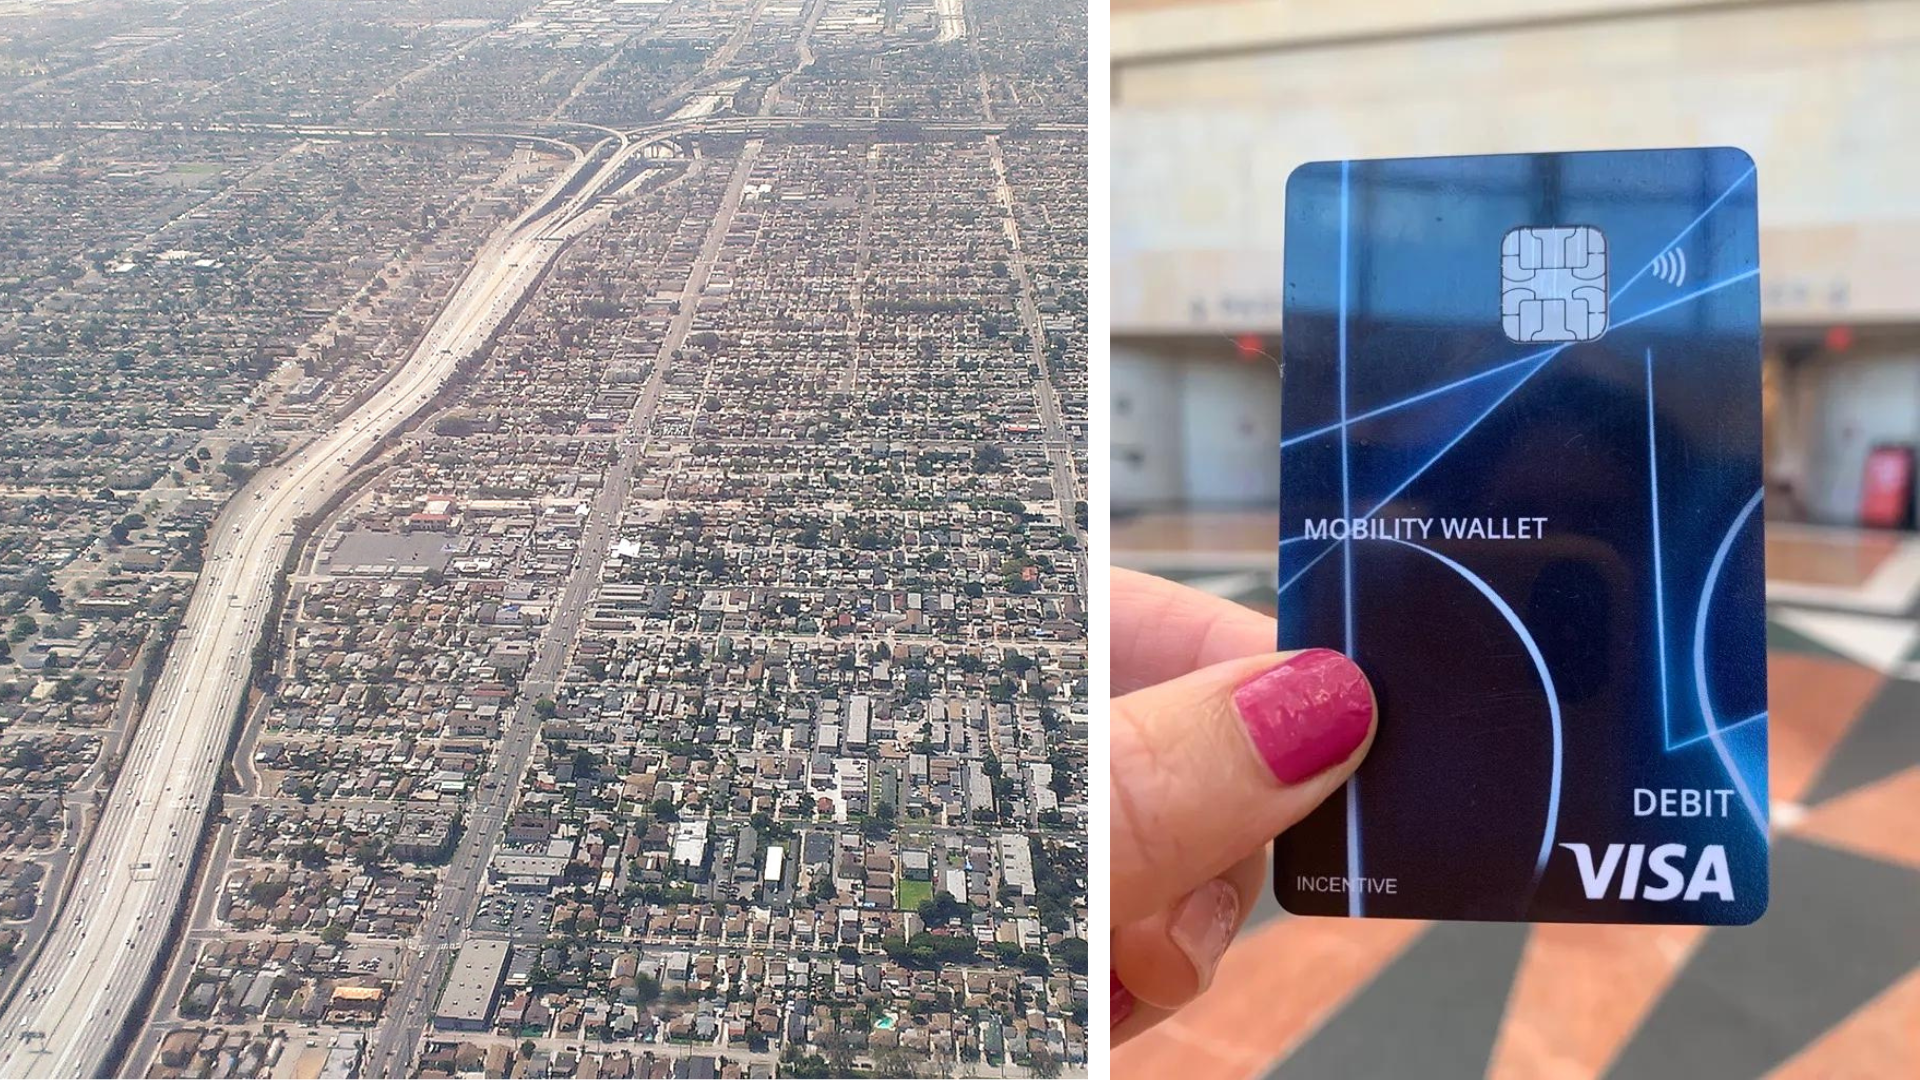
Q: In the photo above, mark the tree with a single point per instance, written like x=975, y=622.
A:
x=839, y=1050
x=930, y=950
x=805, y=1066
x=768, y=829
x=126, y=527
x=1072, y=952
x=545, y=708
x=646, y=988
x=896, y=1063
x=942, y=909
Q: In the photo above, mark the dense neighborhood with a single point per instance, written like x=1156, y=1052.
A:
x=696, y=685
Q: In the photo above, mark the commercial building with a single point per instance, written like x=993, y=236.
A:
x=467, y=1002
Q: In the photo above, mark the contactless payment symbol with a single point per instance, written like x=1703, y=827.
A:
x=1553, y=283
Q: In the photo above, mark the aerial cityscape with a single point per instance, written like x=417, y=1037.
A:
x=543, y=538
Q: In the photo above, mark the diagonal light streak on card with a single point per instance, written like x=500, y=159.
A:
x=1684, y=297
x=1684, y=743
x=1451, y=443
x=1682, y=234
x=1538, y=365
x=1509, y=365
x=1414, y=400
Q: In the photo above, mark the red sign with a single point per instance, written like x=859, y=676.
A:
x=1886, y=490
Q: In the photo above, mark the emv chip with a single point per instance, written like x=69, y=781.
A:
x=1553, y=283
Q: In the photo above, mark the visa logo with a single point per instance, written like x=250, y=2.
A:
x=1708, y=877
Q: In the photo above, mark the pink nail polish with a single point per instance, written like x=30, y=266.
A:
x=1121, y=1002
x=1306, y=715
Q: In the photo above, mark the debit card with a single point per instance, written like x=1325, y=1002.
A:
x=1520, y=484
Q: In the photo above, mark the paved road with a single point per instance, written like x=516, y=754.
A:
x=1066, y=482
x=411, y=1007
x=712, y=125
x=147, y=1044
x=66, y=1014
x=425, y=967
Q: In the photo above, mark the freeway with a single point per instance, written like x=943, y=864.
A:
x=67, y=1012
x=718, y=124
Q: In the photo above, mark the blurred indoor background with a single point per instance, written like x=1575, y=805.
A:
x=1215, y=101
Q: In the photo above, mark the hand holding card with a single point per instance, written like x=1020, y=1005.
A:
x=1214, y=752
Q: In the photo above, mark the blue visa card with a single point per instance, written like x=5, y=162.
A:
x=1520, y=484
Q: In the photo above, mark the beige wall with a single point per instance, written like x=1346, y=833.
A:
x=1193, y=421
x=1826, y=96
x=1156, y=28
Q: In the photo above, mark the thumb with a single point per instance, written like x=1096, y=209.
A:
x=1209, y=767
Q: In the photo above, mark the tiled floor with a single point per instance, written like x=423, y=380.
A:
x=1828, y=556
x=1826, y=985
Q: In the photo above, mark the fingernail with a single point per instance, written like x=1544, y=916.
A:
x=1306, y=715
x=1122, y=1002
x=1203, y=926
